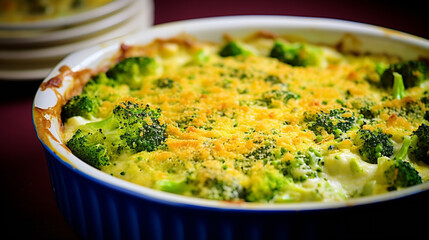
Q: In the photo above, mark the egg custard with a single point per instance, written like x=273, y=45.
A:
x=254, y=119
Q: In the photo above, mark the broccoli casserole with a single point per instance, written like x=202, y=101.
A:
x=255, y=119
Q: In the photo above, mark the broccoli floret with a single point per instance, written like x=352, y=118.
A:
x=413, y=74
x=268, y=151
x=97, y=143
x=401, y=174
x=100, y=79
x=80, y=105
x=380, y=67
x=364, y=107
x=200, y=57
x=105, y=89
x=373, y=144
x=164, y=83
x=91, y=147
x=141, y=128
x=131, y=71
x=206, y=183
x=273, y=80
x=397, y=172
x=425, y=101
x=133, y=127
x=412, y=110
x=297, y=54
x=336, y=122
x=263, y=152
x=279, y=95
x=232, y=49
x=266, y=186
x=305, y=165
x=421, y=143
x=366, y=112
x=221, y=190
x=97, y=90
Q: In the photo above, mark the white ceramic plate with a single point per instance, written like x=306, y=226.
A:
x=319, y=30
x=26, y=37
x=69, y=20
x=140, y=21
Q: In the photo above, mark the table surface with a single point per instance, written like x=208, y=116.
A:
x=28, y=204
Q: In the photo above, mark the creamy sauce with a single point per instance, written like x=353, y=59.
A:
x=230, y=137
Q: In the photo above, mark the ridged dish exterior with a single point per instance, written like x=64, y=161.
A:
x=97, y=211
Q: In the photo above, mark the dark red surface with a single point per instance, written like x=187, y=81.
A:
x=28, y=207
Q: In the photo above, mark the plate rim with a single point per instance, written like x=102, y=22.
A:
x=60, y=50
x=77, y=18
x=34, y=74
x=79, y=31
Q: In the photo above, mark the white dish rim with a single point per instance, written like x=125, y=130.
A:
x=68, y=20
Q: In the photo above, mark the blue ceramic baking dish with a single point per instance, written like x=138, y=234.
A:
x=99, y=206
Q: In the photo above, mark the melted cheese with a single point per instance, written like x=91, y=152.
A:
x=217, y=120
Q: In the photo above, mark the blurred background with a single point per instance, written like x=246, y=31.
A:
x=28, y=204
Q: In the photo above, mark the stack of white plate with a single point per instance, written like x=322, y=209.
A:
x=29, y=50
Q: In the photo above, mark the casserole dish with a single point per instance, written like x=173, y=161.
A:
x=98, y=205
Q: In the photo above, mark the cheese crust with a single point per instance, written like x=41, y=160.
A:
x=239, y=128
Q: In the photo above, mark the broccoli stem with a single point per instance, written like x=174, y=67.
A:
x=403, y=152
x=171, y=186
x=398, y=86
x=107, y=125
